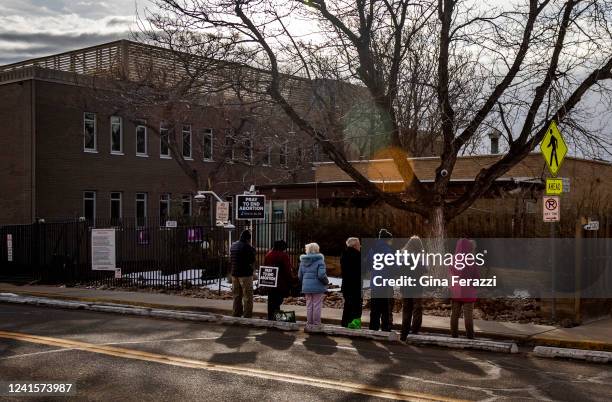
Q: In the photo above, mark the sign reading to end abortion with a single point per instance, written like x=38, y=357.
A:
x=250, y=207
x=268, y=276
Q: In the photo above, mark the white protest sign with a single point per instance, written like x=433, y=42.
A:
x=268, y=276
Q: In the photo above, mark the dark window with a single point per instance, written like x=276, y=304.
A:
x=267, y=158
x=141, y=208
x=116, y=134
x=207, y=144
x=164, y=208
x=186, y=203
x=247, y=152
x=283, y=155
x=316, y=153
x=141, y=138
x=89, y=206
x=187, y=141
x=164, y=140
x=229, y=145
x=89, y=131
x=115, y=201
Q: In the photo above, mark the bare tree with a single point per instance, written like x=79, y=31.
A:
x=517, y=65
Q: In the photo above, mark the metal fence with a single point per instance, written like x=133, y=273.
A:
x=148, y=253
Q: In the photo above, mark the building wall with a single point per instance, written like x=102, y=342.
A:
x=66, y=171
x=16, y=152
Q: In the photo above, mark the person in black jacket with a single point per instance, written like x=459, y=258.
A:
x=242, y=258
x=350, y=264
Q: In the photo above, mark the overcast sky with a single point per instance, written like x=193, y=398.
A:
x=34, y=28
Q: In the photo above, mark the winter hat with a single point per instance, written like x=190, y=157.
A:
x=245, y=236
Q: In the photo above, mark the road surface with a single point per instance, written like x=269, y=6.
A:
x=114, y=357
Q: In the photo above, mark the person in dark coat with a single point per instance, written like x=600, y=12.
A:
x=278, y=257
x=380, y=302
x=350, y=264
x=412, y=297
x=242, y=256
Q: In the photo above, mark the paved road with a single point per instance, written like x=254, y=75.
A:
x=112, y=357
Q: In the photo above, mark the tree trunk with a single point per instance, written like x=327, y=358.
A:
x=436, y=234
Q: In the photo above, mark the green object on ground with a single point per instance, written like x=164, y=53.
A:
x=355, y=324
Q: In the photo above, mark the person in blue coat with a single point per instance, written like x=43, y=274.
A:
x=314, y=279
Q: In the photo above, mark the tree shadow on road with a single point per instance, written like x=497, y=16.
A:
x=234, y=337
x=321, y=344
x=276, y=339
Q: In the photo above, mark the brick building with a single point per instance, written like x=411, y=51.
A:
x=68, y=150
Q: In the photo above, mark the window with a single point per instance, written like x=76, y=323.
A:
x=187, y=141
x=207, y=144
x=299, y=153
x=90, y=140
x=164, y=208
x=186, y=204
x=247, y=152
x=267, y=158
x=283, y=154
x=116, y=135
x=164, y=140
x=141, y=209
x=115, y=205
x=141, y=138
x=229, y=145
x=316, y=153
x=89, y=206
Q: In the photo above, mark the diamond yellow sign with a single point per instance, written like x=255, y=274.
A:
x=553, y=148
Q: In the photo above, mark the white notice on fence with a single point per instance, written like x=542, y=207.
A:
x=9, y=247
x=103, y=249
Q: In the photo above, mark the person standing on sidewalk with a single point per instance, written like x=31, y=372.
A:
x=381, y=298
x=412, y=297
x=278, y=257
x=242, y=256
x=314, y=279
x=350, y=264
x=463, y=297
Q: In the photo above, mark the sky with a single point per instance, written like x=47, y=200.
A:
x=34, y=28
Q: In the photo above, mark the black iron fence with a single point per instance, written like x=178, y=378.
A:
x=148, y=253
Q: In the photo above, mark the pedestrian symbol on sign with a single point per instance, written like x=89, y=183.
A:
x=553, y=152
x=553, y=149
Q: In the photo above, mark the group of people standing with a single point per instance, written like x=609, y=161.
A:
x=312, y=274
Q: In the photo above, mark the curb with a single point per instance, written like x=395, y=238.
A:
x=391, y=336
x=594, y=356
x=461, y=343
x=524, y=340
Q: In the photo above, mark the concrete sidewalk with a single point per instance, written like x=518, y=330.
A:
x=596, y=335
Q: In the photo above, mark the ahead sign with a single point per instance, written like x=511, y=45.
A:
x=250, y=207
x=551, y=207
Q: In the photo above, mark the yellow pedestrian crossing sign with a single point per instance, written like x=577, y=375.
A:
x=553, y=148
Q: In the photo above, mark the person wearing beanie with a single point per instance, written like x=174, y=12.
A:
x=242, y=256
x=278, y=257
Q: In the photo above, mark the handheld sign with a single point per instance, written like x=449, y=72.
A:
x=553, y=148
x=268, y=276
x=250, y=207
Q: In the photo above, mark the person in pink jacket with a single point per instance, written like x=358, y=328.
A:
x=463, y=297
